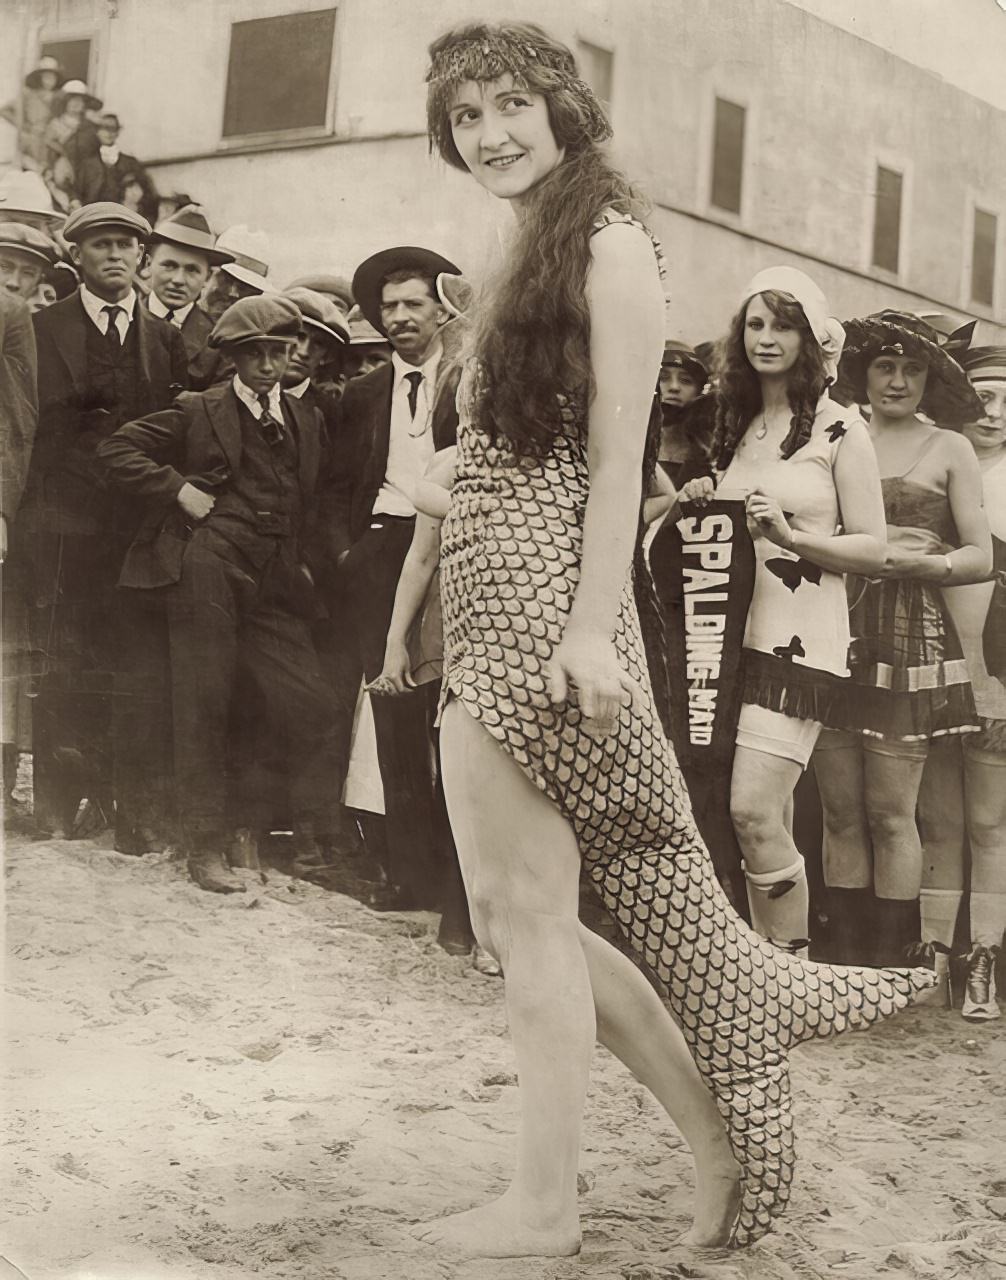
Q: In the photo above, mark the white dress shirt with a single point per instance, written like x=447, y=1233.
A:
x=157, y=308
x=250, y=400
x=94, y=306
x=410, y=441
x=298, y=391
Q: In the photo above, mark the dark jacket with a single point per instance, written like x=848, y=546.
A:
x=95, y=180
x=360, y=453
x=70, y=428
x=18, y=400
x=196, y=441
x=206, y=364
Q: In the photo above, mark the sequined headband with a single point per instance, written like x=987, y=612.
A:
x=485, y=58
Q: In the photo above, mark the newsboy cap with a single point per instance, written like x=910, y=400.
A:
x=20, y=238
x=267, y=317
x=104, y=213
x=320, y=313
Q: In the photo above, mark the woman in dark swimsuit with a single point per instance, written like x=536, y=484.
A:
x=910, y=680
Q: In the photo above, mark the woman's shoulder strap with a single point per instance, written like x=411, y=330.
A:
x=613, y=217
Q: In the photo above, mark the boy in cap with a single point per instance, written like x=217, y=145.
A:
x=25, y=256
x=227, y=477
x=102, y=360
x=180, y=255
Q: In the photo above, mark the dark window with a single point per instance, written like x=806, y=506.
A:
x=596, y=65
x=887, y=220
x=728, y=155
x=983, y=258
x=74, y=56
x=278, y=73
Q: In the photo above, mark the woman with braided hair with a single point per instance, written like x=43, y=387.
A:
x=552, y=752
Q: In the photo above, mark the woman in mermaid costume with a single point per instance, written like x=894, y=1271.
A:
x=551, y=747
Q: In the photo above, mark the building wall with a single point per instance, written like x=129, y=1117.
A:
x=824, y=107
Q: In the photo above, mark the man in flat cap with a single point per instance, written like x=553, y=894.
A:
x=315, y=369
x=394, y=419
x=227, y=479
x=180, y=255
x=102, y=360
x=26, y=254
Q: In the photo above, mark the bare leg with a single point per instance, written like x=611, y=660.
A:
x=521, y=866
x=848, y=849
x=761, y=792
x=892, y=792
x=634, y=1025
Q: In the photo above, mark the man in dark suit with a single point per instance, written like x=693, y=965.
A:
x=180, y=255
x=107, y=173
x=18, y=418
x=227, y=478
x=394, y=419
x=102, y=360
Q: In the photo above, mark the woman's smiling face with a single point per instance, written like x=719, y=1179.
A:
x=504, y=135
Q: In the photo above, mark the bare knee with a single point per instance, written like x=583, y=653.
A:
x=890, y=820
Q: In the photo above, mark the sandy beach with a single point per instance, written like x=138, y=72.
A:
x=281, y=1083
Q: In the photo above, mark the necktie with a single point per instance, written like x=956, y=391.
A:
x=169, y=315
x=112, y=332
x=414, y=379
x=270, y=428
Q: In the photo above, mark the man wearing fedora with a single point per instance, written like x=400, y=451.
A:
x=102, y=360
x=227, y=478
x=394, y=419
x=181, y=253
x=244, y=275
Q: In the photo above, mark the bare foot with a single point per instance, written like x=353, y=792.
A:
x=496, y=1231
x=717, y=1203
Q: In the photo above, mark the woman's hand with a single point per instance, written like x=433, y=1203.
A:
x=766, y=520
x=396, y=674
x=587, y=663
x=697, y=492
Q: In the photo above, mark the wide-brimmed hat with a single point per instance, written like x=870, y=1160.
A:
x=77, y=89
x=33, y=80
x=104, y=213
x=335, y=287
x=320, y=313
x=34, y=244
x=189, y=229
x=949, y=399
x=982, y=363
x=370, y=274
x=25, y=197
x=679, y=355
x=264, y=318
x=248, y=253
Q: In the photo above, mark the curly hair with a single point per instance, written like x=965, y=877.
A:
x=738, y=391
x=533, y=335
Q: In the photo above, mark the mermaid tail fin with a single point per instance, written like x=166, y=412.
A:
x=742, y=1005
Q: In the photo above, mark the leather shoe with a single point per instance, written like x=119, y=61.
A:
x=211, y=872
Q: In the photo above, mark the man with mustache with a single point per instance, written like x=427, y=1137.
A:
x=393, y=420
x=102, y=361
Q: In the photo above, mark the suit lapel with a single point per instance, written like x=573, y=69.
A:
x=222, y=409
x=153, y=351
x=303, y=414
x=69, y=332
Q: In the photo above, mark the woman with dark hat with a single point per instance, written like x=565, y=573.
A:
x=552, y=749
x=910, y=681
x=686, y=413
x=31, y=117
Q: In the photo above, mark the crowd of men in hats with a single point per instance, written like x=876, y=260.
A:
x=205, y=512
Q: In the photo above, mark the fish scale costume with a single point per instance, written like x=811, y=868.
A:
x=509, y=568
x=511, y=546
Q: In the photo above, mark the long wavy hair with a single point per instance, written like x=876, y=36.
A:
x=738, y=390
x=532, y=336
